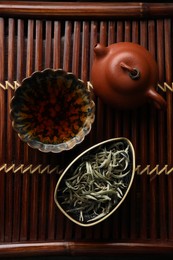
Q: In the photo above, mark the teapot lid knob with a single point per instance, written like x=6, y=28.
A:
x=133, y=73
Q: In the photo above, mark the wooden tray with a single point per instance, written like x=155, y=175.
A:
x=37, y=35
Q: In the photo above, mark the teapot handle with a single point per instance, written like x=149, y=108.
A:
x=158, y=100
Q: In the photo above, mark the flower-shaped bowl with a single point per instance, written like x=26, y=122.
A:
x=96, y=182
x=52, y=110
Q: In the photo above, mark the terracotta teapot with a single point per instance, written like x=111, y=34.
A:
x=124, y=75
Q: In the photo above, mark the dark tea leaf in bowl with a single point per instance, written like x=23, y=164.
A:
x=52, y=110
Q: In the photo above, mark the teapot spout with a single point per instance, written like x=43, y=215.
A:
x=100, y=50
x=158, y=100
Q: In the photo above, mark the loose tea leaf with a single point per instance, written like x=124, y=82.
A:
x=98, y=182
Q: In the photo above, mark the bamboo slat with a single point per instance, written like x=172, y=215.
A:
x=162, y=154
x=168, y=75
x=143, y=150
x=57, y=45
x=153, y=142
x=2, y=132
x=99, y=11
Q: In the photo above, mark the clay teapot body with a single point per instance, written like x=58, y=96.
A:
x=124, y=75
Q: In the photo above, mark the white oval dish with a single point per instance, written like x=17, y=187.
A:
x=63, y=196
